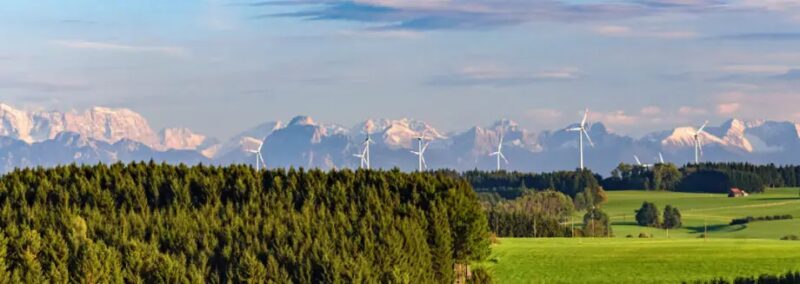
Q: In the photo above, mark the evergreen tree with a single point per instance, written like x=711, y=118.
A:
x=648, y=215
x=672, y=218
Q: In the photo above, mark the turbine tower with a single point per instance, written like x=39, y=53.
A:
x=259, y=159
x=421, y=152
x=581, y=133
x=499, y=152
x=364, y=156
x=661, y=158
x=698, y=146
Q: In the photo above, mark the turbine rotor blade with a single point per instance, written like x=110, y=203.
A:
x=702, y=127
x=588, y=138
x=504, y=158
x=585, y=117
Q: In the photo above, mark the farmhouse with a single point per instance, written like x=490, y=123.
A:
x=735, y=192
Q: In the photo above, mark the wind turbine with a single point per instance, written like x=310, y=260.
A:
x=639, y=162
x=698, y=146
x=499, y=152
x=581, y=133
x=259, y=159
x=421, y=152
x=364, y=156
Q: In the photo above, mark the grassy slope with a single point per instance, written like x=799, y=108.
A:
x=638, y=260
x=716, y=210
x=731, y=251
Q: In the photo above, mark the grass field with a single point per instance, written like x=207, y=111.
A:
x=617, y=260
x=713, y=210
x=730, y=251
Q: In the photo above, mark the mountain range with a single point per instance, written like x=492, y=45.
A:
x=99, y=134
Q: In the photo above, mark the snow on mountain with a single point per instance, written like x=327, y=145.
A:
x=29, y=138
x=15, y=123
x=683, y=137
x=181, y=138
x=400, y=133
x=734, y=136
x=98, y=123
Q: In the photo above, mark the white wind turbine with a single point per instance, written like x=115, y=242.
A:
x=259, y=159
x=698, y=145
x=499, y=152
x=639, y=162
x=421, y=152
x=581, y=133
x=364, y=156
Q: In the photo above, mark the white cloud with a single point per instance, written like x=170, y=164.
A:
x=691, y=111
x=94, y=45
x=728, y=108
x=650, y=110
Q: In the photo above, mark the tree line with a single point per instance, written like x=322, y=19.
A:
x=582, y=186
x=704, y=177
x=156, y=223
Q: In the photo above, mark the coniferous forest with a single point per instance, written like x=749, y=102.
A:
x=147, y=222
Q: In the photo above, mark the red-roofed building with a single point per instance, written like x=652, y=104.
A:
x=735, y=192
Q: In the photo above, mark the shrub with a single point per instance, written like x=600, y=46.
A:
x=480, y=275
x=644, y=235
x=596, y=223
x=748, y=219
x=672, y=218
x=790, y=238
x=648, y=215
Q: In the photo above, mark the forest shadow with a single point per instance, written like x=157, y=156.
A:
x=715, y=228
x=778, y=198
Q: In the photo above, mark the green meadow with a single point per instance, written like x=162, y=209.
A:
x=669, y=257
x=701, y=211
x=616, y=260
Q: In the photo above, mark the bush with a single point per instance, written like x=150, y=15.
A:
x=596, y=224
x=672, y=218
x=648, y=215
x=748, y=219
x=629, y=236
x=480, y=275
x=644, y=235
x=790, y=238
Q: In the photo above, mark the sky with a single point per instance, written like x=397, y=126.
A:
x=220, y=67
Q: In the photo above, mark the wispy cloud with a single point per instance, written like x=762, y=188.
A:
x=494, y=75
x=623, y=31
x=42, y=85
x=760, y=37
x=105, y=46
x=479, y=14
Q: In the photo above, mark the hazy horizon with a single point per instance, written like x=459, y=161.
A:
x=220, y=67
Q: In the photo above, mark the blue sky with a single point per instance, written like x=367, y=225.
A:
x=220, y=67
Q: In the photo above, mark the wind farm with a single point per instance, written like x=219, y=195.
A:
x=387, y=141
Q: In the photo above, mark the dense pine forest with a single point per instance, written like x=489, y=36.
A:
x=147, y=222
x=704, y=177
